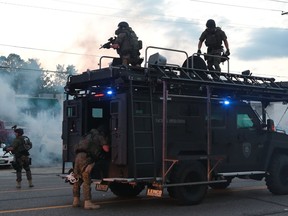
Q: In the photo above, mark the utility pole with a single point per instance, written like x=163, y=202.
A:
x=284, y=13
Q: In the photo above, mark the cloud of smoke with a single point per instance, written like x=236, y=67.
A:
x=43, y=129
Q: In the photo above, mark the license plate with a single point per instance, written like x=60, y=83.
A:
x=101, y=187
x=154, y=192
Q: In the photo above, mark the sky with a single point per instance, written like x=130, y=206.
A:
x=70, y=32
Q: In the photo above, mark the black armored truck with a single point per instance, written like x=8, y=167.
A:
x=178, y=127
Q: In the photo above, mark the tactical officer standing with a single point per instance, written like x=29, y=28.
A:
x=127, y=45
x=213, y=37
x=90, y=150
x=21, y=157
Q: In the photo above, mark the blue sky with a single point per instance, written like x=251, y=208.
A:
x=71, y=31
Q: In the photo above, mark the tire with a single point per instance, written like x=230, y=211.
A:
x=126, y=190
x=188, y=172
x=171, y=192
x=222, y=185
x=277, y=179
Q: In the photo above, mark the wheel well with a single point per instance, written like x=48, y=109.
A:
x=181, y=161
x=277, y=151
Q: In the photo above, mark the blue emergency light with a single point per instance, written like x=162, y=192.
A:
x=109, y=92
x=226, y=102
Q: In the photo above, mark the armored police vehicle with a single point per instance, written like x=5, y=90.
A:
x=180, y=128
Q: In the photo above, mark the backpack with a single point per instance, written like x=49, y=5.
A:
x=133, y=40
x=214, y=39
x=27, y=143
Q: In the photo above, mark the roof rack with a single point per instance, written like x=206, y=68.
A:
x=243, y=85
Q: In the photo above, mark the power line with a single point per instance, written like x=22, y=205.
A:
x=238, y=6
x=53, y=9
x=109, y=15
x=47, y=50
x=278, y=1
x=30, y=69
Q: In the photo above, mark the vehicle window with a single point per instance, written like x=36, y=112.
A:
x=71, y=111
x=114, y=106
x=244, y=121
x=97, y=112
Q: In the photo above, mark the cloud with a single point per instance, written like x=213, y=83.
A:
x=265, y=43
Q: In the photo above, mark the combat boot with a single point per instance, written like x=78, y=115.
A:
x=18, y=184
x=89, y=205
x=76, y=202
x=30, y=183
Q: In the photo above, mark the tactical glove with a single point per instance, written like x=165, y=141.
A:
x=227, y=53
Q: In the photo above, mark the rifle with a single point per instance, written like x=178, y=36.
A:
x=111, y=40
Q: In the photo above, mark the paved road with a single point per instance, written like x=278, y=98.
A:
x=51, y=196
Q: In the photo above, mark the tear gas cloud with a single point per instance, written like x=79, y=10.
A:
x=44, y=129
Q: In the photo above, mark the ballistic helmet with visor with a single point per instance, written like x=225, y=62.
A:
x=210, y=23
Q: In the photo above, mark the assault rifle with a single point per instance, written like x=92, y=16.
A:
x=111, y=40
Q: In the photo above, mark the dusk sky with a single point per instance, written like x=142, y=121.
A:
x=70, y=32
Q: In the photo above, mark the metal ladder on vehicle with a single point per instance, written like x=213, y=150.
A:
x=143, y=130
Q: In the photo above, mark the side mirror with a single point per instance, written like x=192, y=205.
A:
x=270, y=125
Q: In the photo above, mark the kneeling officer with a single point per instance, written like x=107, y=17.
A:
x=91, y=149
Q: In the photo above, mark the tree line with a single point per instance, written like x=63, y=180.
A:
x=28, y=77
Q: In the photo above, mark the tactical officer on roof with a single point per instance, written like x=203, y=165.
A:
x=213, y=37
x=127, y=45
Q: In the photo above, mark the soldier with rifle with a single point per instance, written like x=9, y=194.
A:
x=21, y=154
x=127, y=45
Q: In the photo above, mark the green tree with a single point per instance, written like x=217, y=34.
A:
x=55, y=81
x=24, y=77
x=28, y=77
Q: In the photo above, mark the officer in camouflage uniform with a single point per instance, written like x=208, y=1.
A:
x=127, y=45
x=92, y=148
x=22, y=160
x=213, y=37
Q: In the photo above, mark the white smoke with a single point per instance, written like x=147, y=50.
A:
x=44, y=130
x=8, y=106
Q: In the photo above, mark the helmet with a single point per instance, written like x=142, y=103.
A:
x=210, y=23
x=20, y=131
x=123, y=25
